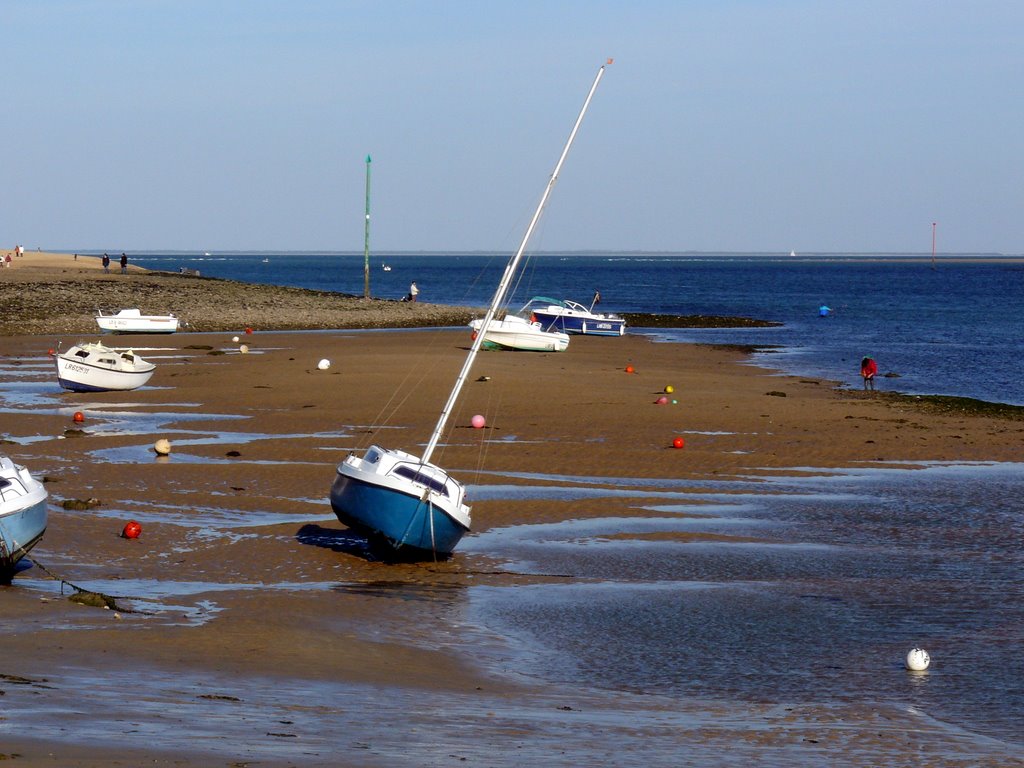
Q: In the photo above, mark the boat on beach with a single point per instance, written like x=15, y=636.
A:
x=574, y=318
x=133, y=321
x=22, y=515
x=520, y=334
x=93, y=367
x=403, y=503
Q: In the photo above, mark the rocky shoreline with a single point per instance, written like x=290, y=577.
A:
x=59, y=301
x=61, y=304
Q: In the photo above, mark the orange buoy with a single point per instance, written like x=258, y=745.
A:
x=678, y=442
x=78, y=418
x=131, y=530
x=629, y=369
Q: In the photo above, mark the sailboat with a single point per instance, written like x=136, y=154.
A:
x=416, y=509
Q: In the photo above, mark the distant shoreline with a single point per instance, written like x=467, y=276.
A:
x=853, y=256
x=46, y=293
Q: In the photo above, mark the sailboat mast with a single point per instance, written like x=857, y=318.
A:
x=933, y=244
x=506, y=279
x=366, y=236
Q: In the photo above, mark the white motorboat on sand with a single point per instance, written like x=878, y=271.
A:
x=92, y=367
x=133, y=321
x=521, y=334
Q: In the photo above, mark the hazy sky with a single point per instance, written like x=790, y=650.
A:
x=723, y=125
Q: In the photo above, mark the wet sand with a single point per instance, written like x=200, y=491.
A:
x=251, y=628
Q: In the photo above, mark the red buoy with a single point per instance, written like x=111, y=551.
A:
x=678, y=442
x=78, y=418
x=131, y=530
x=629, y=369
x=248, y=330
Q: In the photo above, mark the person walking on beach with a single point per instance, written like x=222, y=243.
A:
x=868, y=369
x=413, y=291
x=124, y=264
x=106, y=263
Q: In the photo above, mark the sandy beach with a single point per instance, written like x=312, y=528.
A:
x=281, y=599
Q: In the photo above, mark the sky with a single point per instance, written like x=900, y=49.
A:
x=722, y=125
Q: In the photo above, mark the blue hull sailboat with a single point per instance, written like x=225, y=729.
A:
x=413, y=507
x=22, y=515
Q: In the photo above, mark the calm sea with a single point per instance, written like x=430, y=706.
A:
x=952, y=328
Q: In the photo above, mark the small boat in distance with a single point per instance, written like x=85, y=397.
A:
x=570, y=317
x=92, y=367
x=415, y=508
x=22, y=515
x=386, y=267
x=133, y=321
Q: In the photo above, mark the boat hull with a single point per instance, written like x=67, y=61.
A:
x=23, y=515
x=81, y=374
x=518, y=335
x=131, y=321
x=19, y=532
x=591, y=325
x=410, y=522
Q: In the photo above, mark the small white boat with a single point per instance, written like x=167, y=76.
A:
x=520, y=334
x=22, y=515
x=133, y=321
x=95, y=368
x=387, y=267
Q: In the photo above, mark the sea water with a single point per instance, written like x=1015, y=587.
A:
x=804, y=590
x=948, y=327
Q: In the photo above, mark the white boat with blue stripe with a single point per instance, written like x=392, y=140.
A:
x=571, y=317
x=415, y=508
x=22, y=515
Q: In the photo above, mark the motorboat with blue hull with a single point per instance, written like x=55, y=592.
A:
x=23, y=515
x=391, y=496
x=404, y=500
x=572, y=317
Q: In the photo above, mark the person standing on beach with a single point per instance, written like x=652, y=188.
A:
x=106, y=263
x=413, y=291
x=868, y=369
x=124, y=264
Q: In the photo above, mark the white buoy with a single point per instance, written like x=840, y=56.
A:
x=243, y=348
x=234, y=339
x=918, y=660
x=324, y=364
x=162, y=446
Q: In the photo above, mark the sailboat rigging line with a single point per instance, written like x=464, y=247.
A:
x=510, y=269
x=426, y=361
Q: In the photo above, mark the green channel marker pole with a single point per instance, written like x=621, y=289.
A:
x=366, y=236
